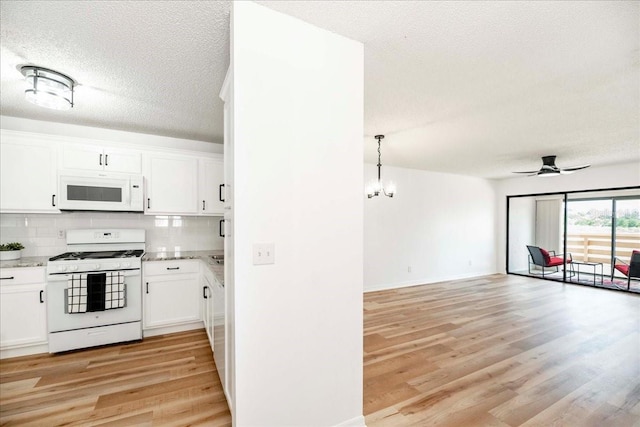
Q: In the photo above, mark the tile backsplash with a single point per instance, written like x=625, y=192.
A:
x=45, y=234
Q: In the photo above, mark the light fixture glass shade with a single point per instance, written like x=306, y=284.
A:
x=390, y=189
x=48, y=88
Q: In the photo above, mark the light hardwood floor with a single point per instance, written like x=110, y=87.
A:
x=492, y=351
x=169, y=380
x=502, y=351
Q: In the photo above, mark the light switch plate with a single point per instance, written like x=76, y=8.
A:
x=263, y=253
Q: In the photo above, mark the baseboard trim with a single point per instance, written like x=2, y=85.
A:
x=353, y=422
x=7, y=353
x=163, y=330
x=419, y=282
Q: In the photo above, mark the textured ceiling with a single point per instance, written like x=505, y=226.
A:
x=476, y=88
x=143, y=66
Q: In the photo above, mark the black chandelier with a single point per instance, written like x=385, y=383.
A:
x=376, y=187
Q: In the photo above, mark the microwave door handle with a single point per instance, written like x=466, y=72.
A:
x=129, y=192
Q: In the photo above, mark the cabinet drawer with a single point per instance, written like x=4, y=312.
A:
x=171, y=267
x=21, y=276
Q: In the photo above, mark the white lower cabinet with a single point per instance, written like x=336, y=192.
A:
x=23, y=313
x=171, y=294
x=208, y=303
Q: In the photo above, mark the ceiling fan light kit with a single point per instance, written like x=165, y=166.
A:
x=549, y=168
x=48, y=88
x=376, y=187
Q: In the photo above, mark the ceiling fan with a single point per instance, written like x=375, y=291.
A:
x=549, y=168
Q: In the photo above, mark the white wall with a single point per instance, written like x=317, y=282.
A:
x=39, y=232
x=440, y=225
x=623, y=175
x=298, y=126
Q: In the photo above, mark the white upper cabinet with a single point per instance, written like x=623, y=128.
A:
x=183, y=185
x=28, y=173
x=97, y=158
x=171, y=184
x=211, y=186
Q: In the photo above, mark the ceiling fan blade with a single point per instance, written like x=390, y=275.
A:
x=549, y=168
x=573, y=169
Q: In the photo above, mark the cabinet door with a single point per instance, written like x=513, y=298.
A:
x=210, y=187
x=23, y=315
x=171, y=299
x=207, y=309
x=118, y=160
x=98, y=157
x=172, y=185
x=28, y=174
x=85, y=157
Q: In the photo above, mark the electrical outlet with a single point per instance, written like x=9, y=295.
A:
x=263, y=253
x=61, y=234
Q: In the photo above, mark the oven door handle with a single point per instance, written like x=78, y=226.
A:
x=41, y=296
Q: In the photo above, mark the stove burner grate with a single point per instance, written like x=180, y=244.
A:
x=75, y=256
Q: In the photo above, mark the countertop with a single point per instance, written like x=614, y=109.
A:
x=205, y=256
x=26, y=261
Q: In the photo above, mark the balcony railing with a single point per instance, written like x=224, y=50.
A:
x=596, y=247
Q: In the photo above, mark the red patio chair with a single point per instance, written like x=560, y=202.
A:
x=545, y=259
x=631, y=270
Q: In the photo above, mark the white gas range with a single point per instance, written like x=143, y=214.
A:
x=94, y=291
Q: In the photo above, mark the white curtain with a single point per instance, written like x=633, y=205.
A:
x=549, y=224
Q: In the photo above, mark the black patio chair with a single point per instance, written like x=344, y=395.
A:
x=545, y=259
x=631, y=270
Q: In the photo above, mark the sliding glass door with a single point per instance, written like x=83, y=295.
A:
x=602, y=229
x=626, y=232
x=589, y=230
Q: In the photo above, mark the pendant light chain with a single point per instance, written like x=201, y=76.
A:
x=375, y=188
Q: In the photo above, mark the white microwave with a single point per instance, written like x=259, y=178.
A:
x=99, y=191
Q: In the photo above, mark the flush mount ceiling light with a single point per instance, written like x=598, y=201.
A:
x=374, y=188
x=549, y=168
x=48, y=88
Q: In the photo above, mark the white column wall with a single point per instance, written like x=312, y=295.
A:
x=442, y=226
x=298, y=126
x=615, y=176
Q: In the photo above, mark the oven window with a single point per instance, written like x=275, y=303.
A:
x=94, y=194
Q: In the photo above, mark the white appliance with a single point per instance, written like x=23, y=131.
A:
x=94, y=291
x=100, y=191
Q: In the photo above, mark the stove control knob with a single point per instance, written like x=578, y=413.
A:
x=116, y=265
x=73, y=268
x=96, y=266
x=62, y=268
x=126, y=264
